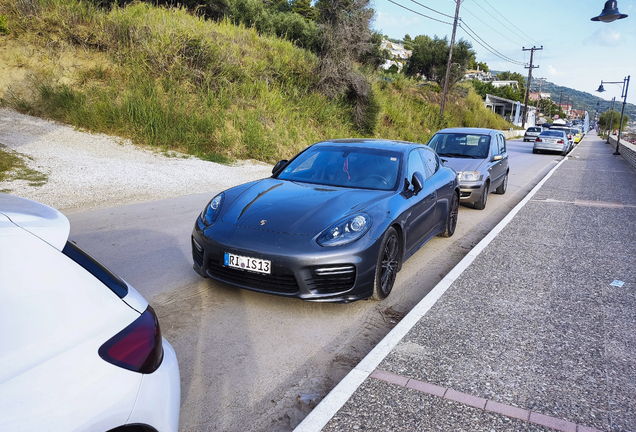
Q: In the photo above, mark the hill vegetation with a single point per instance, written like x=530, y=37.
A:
x=177, y=80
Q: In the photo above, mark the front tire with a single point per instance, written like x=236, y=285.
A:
x=451, y=219
x=503, y=186
x=481, y=204
x=387, y=265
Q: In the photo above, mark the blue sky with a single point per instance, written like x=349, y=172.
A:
x=577, y=52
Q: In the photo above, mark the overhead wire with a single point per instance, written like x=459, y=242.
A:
x=431, y=9
x=470, y=32
x=502, y=24
x=493, y=8
x=420, y=14
x=479, y=19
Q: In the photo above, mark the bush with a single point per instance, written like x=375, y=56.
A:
x=3, y=25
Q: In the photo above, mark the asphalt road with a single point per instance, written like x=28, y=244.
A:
x=254, y=362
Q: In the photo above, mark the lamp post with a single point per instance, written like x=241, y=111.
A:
x=625, y=88
x=610, y=13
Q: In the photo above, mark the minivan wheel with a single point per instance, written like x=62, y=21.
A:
x=503, y=186
x=387, y=266
x=481, y=204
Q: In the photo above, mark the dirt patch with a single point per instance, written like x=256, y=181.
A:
x=22, y=62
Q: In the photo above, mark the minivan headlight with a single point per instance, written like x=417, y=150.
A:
x=211, y=211
x=469, y=175
x=346, y=230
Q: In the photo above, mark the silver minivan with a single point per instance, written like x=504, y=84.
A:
x=480, y=158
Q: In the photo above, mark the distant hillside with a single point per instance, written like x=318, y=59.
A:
x=584, y=100
x=580, y=100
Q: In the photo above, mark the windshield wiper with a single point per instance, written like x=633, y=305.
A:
x=457, y=155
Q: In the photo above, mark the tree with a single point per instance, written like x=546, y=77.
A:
x=550, y=109
x=304, y=9
x=479, y=65
x=615, y=116
x=430, y=59
x=514, y=76
x=278, y=5
x=346, y=38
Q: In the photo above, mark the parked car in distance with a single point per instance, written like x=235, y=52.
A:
x=532, y=133
x=333, y=224
x=81, y=349
x=554, y=140
x=568, y=133
x=576, y=134
x=480, y=158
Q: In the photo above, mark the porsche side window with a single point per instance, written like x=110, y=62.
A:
x=431, y=162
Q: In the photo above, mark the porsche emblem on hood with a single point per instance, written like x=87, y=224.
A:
x=263, y=222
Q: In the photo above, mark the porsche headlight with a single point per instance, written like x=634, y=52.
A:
x=211, y=211
x=346, y=230
x=469, y=175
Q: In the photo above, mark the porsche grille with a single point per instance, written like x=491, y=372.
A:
x=277, y=282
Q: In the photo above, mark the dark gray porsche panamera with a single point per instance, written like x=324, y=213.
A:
x=332, y=224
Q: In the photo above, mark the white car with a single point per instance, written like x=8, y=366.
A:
x=80, y=349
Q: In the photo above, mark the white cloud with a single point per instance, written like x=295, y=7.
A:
x=605, y=37
x=553, y=72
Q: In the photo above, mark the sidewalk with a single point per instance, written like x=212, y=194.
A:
x=530, y=332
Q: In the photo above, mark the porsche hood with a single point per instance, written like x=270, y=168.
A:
x=284, y=206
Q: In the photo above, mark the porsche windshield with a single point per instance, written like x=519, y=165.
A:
x=461, y=145
x=345, y=166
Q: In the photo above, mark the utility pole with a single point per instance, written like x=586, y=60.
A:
x=525, y=102
x=450, y=58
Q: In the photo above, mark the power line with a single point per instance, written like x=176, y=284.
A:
x=502, y=24
x=420, y=14
x=431, y=9
x=486, y=1
x=484, y=44
x=484, y=22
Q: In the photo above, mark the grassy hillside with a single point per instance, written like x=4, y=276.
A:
x=172, y=80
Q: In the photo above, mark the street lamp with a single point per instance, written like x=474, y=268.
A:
x=625, y=87
x=610, y=13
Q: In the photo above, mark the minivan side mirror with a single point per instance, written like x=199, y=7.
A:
x=418, y=182
x=279, y=166
x=497, y=157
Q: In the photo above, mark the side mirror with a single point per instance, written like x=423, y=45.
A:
x=418, y=182
x=279, y=166
x=497, y=158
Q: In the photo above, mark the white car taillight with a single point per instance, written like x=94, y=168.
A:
x=138, y=347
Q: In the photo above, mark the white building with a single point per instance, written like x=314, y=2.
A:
x=399, y=54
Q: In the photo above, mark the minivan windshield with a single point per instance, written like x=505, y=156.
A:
x=461, y=145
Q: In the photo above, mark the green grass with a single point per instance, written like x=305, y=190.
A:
x=214, y=90
x=14, y=167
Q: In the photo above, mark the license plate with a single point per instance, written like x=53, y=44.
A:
x=247, y=263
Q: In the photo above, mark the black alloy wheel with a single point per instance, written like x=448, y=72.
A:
x=387, y=266
x=451, y=218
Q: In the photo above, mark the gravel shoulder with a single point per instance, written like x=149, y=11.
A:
x=89, y=171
